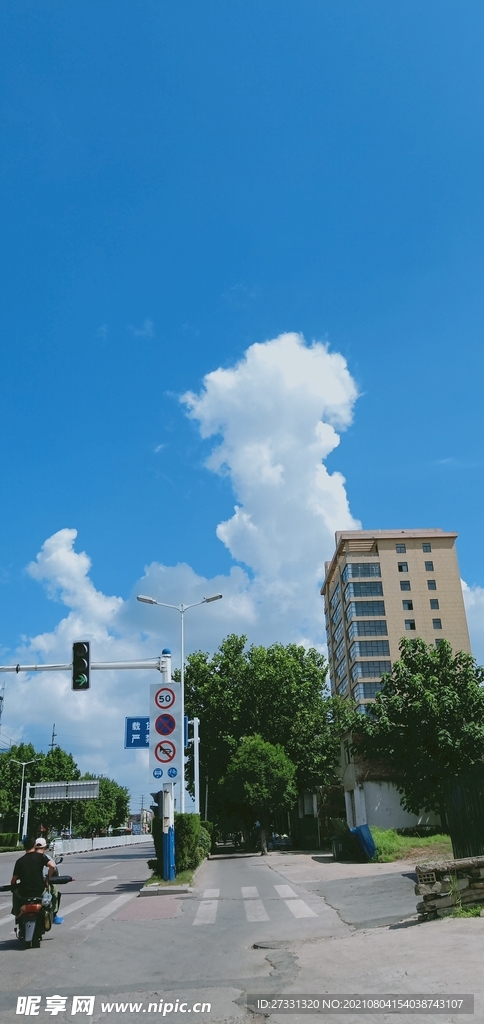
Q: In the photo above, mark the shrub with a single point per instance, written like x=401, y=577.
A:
x=187, y=841
x=157, y=833
x=204, y=842
x=9, y=838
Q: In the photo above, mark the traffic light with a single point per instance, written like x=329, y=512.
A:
x=80, y=665
x=157, y=805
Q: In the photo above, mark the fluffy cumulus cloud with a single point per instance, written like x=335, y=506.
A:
x=274, y=418
x=474, y=604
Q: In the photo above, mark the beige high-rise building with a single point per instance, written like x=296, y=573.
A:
x=383, y=585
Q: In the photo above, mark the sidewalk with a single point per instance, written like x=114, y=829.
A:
x=406, y=958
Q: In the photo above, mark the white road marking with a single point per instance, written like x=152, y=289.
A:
x=285, y=891
x=99, y=915
x=255, y=910
x=3, y=905
x=211, y=894
x=249, y=892
x=109, y=878
x=299, y=908
x=206, y=912
x=77, y=905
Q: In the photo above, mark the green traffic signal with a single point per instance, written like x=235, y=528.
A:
x=80, y=665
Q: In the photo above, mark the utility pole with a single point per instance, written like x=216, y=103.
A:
x=52, y=742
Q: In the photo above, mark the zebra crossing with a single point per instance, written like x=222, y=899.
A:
x=254, y=907
x=257, y=908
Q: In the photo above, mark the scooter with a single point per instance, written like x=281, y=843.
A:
x=36, y=915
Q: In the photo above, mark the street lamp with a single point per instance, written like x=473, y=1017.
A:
x=182, y=608
x=24, y=764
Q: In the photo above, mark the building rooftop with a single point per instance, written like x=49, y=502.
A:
x=362, y=542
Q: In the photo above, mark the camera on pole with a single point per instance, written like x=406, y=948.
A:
x=80, y=665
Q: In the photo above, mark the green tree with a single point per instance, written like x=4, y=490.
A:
x=260, y=779
x=55, y=766
x=109, y=810
x=427, y=722
x=277, y=692
x=11, y=780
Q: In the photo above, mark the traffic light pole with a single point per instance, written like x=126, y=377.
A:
x=158, y=663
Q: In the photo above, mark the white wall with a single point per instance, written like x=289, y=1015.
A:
x=383, y=808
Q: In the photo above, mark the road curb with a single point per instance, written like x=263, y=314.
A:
x=171, y=890
x=164, y=890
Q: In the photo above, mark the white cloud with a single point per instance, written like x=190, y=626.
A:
x=474, y=605
x=146, y=331
x=275, y=417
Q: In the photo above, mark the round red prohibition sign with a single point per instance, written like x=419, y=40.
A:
x=164, y=698
x=165, y=724
x=165, y=751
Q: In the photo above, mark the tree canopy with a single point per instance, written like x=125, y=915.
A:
x=110, y=809
x=427, y=721
x=260, y=779
x=278, y=693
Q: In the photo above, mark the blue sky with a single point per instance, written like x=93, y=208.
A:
x=181, y=182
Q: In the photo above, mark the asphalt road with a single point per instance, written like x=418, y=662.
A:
x=372, y=901
x=225, y=938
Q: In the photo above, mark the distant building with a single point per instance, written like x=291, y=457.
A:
x=140, y=824
x=381, y=586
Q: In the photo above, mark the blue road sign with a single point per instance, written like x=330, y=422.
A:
x=172, y=772
x=137, y=732
x=157, y=772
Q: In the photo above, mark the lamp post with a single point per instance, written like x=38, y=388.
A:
x=24, y=764
x=181, y=608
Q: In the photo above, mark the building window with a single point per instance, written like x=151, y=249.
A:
x=338, y=633
x=429, y=567
x=410, y=624
x=347, y=751
x=366, y=690
x=437, y=623
x=431, y=585
x=334, y=598
x=340, y=650
x=361, y=608
x=355, y=569
x=438, y=642
x=338, y=611
x=340, y=671
x=407, y=606
x=363, y=590
x=426, y=547
x=370, y=669
x=403, y=566
x=372, y=627
x=405, y=585
x=401, y=549
x=434, y=604
x=368, y=648
x=343, y=687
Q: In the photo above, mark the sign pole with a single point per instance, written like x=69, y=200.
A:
x=168, y=834
x=196, y=764
x=26, y=810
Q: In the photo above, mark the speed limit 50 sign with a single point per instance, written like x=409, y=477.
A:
x=166, y=733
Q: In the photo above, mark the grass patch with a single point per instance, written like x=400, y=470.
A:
x=183, y=878
x=391, y=846
x=466, y=912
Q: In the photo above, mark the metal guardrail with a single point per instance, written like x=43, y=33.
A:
x=63, y=846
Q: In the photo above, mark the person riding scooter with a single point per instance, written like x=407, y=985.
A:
x=40, y=847
x=28, y=872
